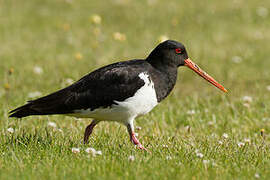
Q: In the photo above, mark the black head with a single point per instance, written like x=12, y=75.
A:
x=168, y=53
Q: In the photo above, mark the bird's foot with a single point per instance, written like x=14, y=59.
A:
x=140, y=146
x=134, y=139
x=85, y=141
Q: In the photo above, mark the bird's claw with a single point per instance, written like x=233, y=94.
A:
x=140, y=146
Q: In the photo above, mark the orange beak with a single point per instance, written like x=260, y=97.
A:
x=203, y=74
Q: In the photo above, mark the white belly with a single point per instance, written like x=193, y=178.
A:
x=143, y=101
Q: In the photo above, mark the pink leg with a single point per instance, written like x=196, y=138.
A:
x=133, y=138
x=89, y=130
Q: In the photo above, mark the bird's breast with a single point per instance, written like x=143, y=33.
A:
x=144, y=100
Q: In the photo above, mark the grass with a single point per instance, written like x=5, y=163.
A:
x=54, y=34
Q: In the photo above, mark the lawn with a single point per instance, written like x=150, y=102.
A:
x=198, y=132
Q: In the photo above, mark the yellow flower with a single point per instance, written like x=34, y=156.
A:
x=96, y=19
x=6, y=86
x=66, y=27
x=262, y=132
x=78, y=56
x=11, y=71
x=119, y=36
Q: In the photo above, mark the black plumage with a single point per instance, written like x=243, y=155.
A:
x=101, y=88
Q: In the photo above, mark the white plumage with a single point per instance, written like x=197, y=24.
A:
x=143, y=101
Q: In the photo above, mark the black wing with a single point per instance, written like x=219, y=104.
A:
x=98, y=89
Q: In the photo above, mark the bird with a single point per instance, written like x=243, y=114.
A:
x=119, y=92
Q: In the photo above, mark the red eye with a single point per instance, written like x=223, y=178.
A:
x=178, y=51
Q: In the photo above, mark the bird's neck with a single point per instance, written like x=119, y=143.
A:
x=161, y=62
x=164, y=77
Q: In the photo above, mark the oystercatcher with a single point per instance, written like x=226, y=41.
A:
x=118, y=92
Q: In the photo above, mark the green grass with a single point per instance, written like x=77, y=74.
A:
x=49, y=34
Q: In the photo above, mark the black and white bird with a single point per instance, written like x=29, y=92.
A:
x=118, y=92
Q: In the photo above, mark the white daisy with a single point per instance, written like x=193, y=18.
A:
x=52, y=124
x=38, y=70
x=240, y=144
x=131, y=158
x=10, y=130
x=75, y=150
x=247, y=99
x=199, y=155
x=225, y=135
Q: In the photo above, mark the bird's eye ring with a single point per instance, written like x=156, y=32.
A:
x=178, y=50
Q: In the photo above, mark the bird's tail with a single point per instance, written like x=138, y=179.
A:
x=23, y=111
x=51, y=104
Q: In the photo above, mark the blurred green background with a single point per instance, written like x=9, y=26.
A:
x=46, y=45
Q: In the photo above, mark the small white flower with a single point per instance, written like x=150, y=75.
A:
x=199, y=155
x=90, y=150
x=35, y=94
x=268, y=88
x=52, y=124
x=240, y=144
x=247, y=99
x=206, y=161
x=247, y=140
x=162, y=38
x=262, y=11
x=98, y=153
x=168, y=157
x=69, y=81
x=237, y=59
x=38, y=70
x=131, y=158
x=225, y=135
x=256, y=175
x=214, y=164
x=191, y=112
x=93, y=151
x=75, y=150
x=220, y=142
x=10, y=130
x=165, y=145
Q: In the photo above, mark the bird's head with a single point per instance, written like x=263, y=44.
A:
x=168, y=53
x=173, y=54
